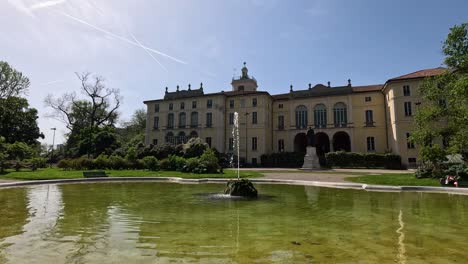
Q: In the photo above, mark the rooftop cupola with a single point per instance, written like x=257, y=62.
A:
x=245, y=72
x=244, y=82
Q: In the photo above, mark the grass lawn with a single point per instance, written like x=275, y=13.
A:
x=55, y=173
x=403, y=179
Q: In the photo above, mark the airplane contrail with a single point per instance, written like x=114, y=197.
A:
x=149, y=53
x=46, y=4
x=120, y=37
x=51, y=82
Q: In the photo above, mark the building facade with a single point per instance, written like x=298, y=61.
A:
x=373, y=118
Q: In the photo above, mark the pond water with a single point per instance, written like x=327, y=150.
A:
x=179, y=223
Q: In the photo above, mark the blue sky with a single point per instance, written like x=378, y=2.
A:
x=283, y=43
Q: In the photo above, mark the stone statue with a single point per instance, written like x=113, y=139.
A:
x=310, y=137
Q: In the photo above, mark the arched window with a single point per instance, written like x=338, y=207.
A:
x=170, y=138
x=301, y=117
x=194, y=119
x=170, y=120
x=193, y=134
x=340, y=115
x=320, y=116
x=181, y=138
x=182, y=120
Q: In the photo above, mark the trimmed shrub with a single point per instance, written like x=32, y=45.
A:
x=117, y=162
x=82, y=163
x=164, y=164
x=208, y=162
x=176, y=163
x=392, y=161
x=64, y=164
x=343, y=159
x=191, y=164
x=151, y=163
x=102, y=162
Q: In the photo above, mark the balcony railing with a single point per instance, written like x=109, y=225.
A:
x=370, y=124
x=341, y=124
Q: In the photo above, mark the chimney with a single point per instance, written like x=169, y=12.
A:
x=310, y=86
x=349, y=82
x=189, y=87
x=177, y=87
x=290, y=88
x=166, y=90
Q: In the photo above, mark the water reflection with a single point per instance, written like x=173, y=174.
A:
x=145, y=222
x=43, y=209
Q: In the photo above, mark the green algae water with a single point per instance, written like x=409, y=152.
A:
x=181, y=223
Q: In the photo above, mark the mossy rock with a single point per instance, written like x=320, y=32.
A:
x=242, y=187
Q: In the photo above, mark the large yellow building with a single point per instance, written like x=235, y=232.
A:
x=373, y=118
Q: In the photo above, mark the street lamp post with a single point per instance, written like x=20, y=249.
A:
x=53, y=143
x=53, y=138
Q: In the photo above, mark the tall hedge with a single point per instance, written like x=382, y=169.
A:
x=343, y=159
x=282, y=160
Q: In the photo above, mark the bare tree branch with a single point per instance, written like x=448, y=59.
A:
x=98, y=108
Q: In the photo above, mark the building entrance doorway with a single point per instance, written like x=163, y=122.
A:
x=341, y=141
x=300, y=143
x=322, y=143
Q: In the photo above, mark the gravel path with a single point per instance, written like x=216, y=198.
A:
x=7, y=180
x=302, y=176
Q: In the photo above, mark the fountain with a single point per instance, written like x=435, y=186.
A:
x=239, y=187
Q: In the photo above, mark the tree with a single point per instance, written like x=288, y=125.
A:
x=18, y=122
x=19, y=151
x=138, y=120
x=12, y=82
x=99, y=109
x=443, y=115
x=86, y=118
x=3, y=154
x=132, y=133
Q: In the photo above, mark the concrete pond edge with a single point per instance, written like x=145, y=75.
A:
x=357, y=186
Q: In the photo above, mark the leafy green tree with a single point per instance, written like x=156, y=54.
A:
x=19, y=151
x=3, y=154
x=18, y=122
x=88, y=118
x=12, y=82
x=132, y=133
x=443, y=115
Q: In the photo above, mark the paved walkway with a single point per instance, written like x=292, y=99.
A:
x=332, y=175
x=6, y=180
x=303, y=176
x=363, y=171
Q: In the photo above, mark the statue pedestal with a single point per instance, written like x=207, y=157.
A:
x=311, y=160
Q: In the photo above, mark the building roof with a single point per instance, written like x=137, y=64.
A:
x=420, y=74
x=316, y=91
x=183, y=94
x=367, y=88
